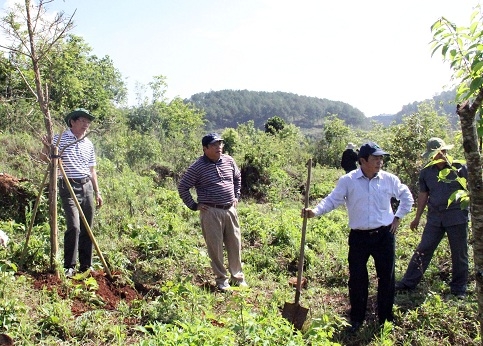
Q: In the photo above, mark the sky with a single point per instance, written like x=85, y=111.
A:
x=374, y=55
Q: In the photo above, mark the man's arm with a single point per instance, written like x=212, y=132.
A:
x=187, y=182
x=422, y=202
x=95, y=186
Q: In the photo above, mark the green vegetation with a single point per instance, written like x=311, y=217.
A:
x=153, y=243
x=163, y=292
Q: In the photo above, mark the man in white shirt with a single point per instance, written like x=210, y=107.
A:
x=367, y=193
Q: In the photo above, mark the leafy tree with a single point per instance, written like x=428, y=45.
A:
x=52, y=69
x=231, y=139
x=274, y=125
x=336, y=134
x=272, y=165
x=461, y=47
x=79, y=79
x=409, y=140
x=177, y=127
x=34, y=37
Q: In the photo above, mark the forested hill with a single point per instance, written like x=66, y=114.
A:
x=227, y=108
x=443, y=103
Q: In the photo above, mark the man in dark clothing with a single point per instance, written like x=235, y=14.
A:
x=349, y=158
x=441, y=219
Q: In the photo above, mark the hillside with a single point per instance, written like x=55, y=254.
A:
x=443, y=103
x=228, y=108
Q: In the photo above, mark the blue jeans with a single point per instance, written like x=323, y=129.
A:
x=381, y=247
x=76, y=237
x=432, y=236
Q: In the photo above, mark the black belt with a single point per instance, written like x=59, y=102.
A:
x=218, y=206
x=372, y=231
x=81, y=181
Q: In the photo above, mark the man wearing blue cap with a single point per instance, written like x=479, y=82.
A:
x=217, y=181
x=367, y=194
x=79, y=162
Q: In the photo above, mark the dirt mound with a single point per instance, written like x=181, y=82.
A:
x=110, y=293
x=15, y=196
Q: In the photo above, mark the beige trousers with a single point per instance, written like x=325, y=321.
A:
x=220, y=227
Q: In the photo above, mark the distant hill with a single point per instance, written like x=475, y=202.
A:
x=228, y=108
x=443, y=103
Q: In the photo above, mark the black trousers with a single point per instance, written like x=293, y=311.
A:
x=76, y=238
x=381, y=246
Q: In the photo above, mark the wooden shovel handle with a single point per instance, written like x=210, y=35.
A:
x=302, y=242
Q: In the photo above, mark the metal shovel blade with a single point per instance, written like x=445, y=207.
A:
x=295, y=313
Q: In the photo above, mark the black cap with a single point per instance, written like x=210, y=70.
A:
x=371, y=148
x=211, y=138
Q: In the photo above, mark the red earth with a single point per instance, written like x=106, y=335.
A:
x=109, y=291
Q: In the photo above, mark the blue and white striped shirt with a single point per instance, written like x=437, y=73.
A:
x=368, y=201
x=215, y=182
x=76, y=158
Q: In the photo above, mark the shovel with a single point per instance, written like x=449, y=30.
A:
x=294, y=312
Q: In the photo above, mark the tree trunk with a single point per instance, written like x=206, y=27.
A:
x=54, y=244
x=467, y=116
x=43, y=101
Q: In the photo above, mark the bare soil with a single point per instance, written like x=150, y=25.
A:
x=110, y=292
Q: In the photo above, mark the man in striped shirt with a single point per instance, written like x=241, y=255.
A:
x=367, y=194
x=217, y=181
x=79, y=162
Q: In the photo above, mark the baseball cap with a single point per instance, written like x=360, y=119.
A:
x=434, y=145
x=371, y=148
x=211, y=138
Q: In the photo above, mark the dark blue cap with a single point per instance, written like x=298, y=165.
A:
x=211, y=138
x=371, y=148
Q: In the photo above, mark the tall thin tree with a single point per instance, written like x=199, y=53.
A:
x=33, y=33
x=461, y=46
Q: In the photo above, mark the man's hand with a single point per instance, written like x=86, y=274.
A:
x=414, y=224
x=307, y=212
x=395, y=224
x=99, y=201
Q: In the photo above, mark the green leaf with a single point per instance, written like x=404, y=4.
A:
x=457, y=195
x=476, y=84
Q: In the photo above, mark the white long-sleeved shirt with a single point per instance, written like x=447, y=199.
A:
x=368, y=201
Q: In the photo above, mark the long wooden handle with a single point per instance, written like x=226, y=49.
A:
x=302, y=242
x=86, y=224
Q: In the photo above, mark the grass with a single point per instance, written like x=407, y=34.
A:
x=179, y=305
x=164, y=292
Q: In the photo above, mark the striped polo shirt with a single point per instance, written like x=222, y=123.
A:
x=76, y=158
x=215, y=182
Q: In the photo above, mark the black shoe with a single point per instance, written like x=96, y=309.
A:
x=83, y=269
x=354, y=327
x=401, y=287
